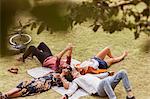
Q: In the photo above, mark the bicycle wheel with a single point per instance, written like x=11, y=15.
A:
x=20, y=39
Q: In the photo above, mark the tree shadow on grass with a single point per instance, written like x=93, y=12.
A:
x=146, y=46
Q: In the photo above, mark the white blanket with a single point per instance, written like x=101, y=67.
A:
x=41, y=71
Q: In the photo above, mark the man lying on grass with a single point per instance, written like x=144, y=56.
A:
x=100, y=84
x=47, y=59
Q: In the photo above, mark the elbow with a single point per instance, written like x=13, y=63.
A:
x=66, y=87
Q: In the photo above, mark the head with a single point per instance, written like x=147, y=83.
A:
x=63, y=67
x=67, y=74
x=79, y=69
x=70, y=75
x=75, y=74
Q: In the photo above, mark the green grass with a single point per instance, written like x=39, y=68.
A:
x=87, y=44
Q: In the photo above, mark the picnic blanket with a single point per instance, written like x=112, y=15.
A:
x=41, y=71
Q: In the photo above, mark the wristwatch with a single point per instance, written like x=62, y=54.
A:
x=66, y=96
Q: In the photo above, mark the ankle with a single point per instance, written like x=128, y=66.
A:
x=130, y=94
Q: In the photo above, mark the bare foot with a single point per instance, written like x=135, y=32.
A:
x=125, y=53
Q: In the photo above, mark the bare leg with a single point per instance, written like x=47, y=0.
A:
x=116, y=59
x=12, y=93
x=104, y=52
x=18, y=94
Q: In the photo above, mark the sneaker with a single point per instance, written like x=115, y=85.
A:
x=130, y=97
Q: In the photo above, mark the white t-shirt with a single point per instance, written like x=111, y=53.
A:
x=89, y=82
x=91, y=62
x=92, y=81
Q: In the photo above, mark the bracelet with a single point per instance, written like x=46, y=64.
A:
x=66, y=96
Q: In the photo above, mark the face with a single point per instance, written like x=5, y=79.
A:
x=65, y=71
x=81, y=70
x=78, y=68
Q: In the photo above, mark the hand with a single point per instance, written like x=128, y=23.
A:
x=63, y=97
x=69, y=46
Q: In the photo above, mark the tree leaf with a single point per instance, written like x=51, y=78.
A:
x=136, y=34
x=96, y=27
x=33, y=25
x=41, y=28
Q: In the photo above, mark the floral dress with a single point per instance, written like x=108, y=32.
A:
x=38, y=85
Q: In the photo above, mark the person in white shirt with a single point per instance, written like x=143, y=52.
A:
x=99, y=84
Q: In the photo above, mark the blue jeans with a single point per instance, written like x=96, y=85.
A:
x=107, y=85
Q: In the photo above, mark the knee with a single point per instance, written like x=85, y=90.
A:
x=42, y=43
x=123, y=73
x=32, y=47
x=106, y=82
x=107, y=48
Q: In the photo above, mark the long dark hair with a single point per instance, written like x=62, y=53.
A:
x=69, y=77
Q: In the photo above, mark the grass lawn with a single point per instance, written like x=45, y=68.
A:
x=87, y=44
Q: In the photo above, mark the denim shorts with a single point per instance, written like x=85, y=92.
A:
x=102, y=63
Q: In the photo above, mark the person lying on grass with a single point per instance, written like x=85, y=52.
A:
x=99, y=84
x=47, y=59
x=38, y=85
x=97, y=64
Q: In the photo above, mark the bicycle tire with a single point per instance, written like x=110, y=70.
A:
x=17, y=35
